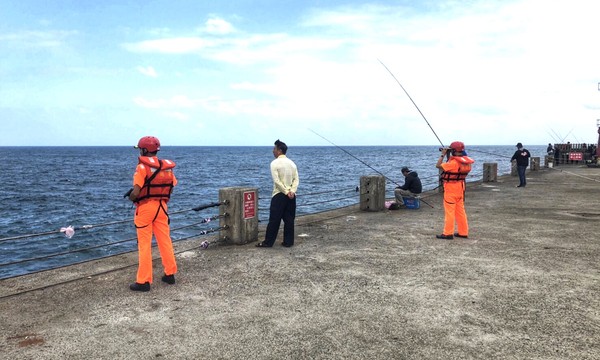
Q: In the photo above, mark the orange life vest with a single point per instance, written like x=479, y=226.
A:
x=464, y=167
x=159, y=179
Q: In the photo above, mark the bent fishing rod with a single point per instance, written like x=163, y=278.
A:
x=406, y=92
x=347, y=152
x=369, y=166
x=420, y=112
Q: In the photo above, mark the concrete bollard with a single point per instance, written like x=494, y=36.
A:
x=513, y=168
x=242, y=219
x=549, y=161
x=372, y=193
x=534, y=163
x=490, y=172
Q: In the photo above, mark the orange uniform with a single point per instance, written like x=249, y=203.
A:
x=453, y=176
x=151, y=216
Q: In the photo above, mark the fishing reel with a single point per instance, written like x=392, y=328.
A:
x=126, y=195
x=445, y=148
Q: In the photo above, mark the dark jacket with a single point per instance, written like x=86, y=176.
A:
x=412, y=183
x=522, y=156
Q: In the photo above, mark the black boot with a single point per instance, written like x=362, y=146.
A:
x=169, y=279
x=140, y=287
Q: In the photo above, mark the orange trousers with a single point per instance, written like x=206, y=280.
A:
x=454, y=209
x=151, y=217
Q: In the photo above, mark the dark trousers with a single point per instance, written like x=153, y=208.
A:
x=282, y=208
x=521, y=171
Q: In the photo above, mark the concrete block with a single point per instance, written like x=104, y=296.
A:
x=242, y=208
x=372, y=193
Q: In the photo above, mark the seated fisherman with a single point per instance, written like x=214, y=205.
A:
x=412, y=185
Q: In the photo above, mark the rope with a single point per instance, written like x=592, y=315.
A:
x=67, y=252
x=581, y=176
x=329, y=191
x=88, y=276
x=117, y=242
x=489, y=153
x=87, y=227
x=327, y=201
x=202, y=207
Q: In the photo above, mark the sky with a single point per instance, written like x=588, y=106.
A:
x=308, y=72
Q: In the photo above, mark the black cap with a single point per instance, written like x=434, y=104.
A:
x=519, y=145
x=405, y=169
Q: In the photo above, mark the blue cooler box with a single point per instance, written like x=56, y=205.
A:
x=411, y=202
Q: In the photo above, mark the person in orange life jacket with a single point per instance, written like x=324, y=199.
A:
x=283, y=199
x=454, y=173
x=153, y=182
x=522, y=156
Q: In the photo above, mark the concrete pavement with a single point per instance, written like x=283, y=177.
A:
x=356, y=285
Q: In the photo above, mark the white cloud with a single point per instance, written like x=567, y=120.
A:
x=218, y=26
x=148, y=71
x=489, y=68
x=177, y=115
x=40, y=39
x=149, y=104
x=180, y=45
x=174, y=102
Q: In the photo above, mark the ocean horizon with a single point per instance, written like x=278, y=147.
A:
x=51, y=187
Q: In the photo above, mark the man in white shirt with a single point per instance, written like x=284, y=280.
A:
x=283, y=199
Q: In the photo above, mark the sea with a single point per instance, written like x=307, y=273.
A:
x=46, y=189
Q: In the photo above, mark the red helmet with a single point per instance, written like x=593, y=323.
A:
x=150, y=143
x=457, y=146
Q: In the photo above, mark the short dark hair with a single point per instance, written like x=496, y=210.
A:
x=281, y=146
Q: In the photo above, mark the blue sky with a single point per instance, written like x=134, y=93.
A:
x=248, y=72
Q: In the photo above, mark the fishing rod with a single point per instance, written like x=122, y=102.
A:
x=369, y=166
x=557, y=135
x=489, y=153
x=406, y=92
x=552, y=136
x=569, y=133
x=347, y=152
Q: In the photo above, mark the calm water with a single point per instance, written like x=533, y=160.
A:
x=47, y=188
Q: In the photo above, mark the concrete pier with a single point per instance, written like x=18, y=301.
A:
x=356, y=285
x=372, y=193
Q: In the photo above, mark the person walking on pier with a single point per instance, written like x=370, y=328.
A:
x=453, y=176
x=283, y=199
x=412, y=185
x=153, y=182
x=522, y=156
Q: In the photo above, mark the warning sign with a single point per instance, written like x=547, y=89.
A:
x=249, y=204
x=576, y=156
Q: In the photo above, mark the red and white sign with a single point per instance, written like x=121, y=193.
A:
x=249, y=204
x=576, y=156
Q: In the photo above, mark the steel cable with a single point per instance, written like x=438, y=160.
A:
x=112, y=243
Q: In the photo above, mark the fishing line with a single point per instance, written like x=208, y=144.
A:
x=581, y=176
x=369, y=166
x=553, y=138
x=489, y=153
x=406, y=92
x=420, y=112
x=347, y=152
x=563, y=140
